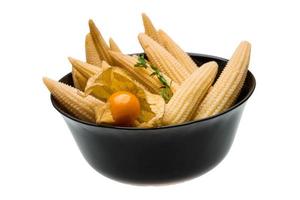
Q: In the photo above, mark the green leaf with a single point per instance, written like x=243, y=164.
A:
x=165, y=91
x=153, y=74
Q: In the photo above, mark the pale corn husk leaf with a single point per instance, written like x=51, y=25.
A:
x=113, y=79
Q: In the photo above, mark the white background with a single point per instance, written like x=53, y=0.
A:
x=38, y=156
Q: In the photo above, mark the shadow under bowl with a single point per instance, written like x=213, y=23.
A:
x=159, y=155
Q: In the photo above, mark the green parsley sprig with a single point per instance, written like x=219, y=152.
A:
x=165, y=91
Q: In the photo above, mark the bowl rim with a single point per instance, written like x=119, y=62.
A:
x=242, y=101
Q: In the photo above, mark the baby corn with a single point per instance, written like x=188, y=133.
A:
x=177, y=52
x=187, y=98
x=78, y=79
x=229, y=84
x=113, y=46
x=150, y=29
x=81, y=72
x=73, y=100
x=87, y=70
x=162, y=59
x=142, y=75
x=92, y=56
x=100, y=44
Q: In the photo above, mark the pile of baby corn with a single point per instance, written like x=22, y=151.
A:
x=194, y=94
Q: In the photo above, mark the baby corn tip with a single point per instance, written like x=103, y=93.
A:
x=142, y=38
x=246, y=42
x=72, y=60
x=48, y=82
x=91, y=22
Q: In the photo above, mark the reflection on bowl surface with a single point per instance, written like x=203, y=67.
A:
x=159, y=155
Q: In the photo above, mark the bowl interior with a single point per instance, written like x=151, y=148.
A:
x=199, y=59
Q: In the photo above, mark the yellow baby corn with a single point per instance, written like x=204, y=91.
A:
x=229, y=84
x=92, y=56
x=150, y=29
x=78, y=79
x=73, y=100
x=187, y=98
x=142, y=75
x=81, y=72
x=100, y=44
x=87, y=70
x=162, y=59
x=113, y=46
x=236, y=93
x=177, y=52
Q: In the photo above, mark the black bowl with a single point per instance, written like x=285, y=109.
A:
x=159, y=155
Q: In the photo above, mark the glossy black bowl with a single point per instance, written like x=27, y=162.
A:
x=159, y=155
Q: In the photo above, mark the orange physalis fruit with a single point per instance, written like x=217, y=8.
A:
x=125, y=107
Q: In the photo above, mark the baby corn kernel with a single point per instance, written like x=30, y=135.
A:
x=73, y=100
x=187, y=98
x=150, y=30
x=100, y=44
x=229, y=84
x=91, y=54
x=161, y=58
x=177, y=52
x=113, y=46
